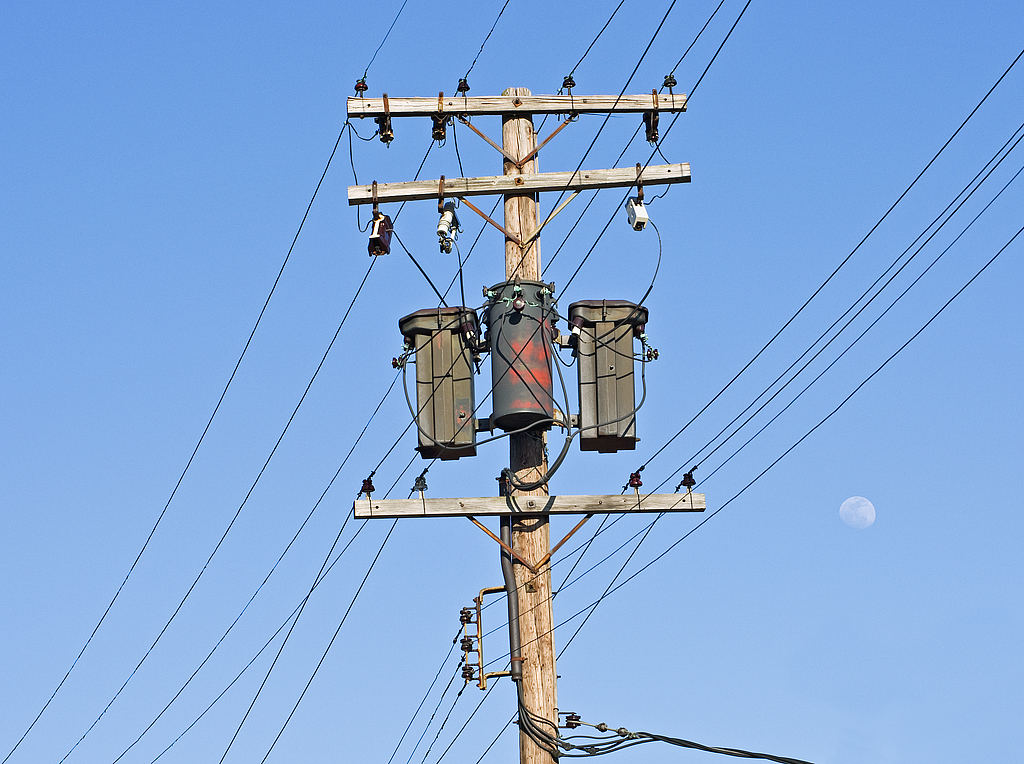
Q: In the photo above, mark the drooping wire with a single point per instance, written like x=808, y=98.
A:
x=841, y=264
x=826, y=417
x=598, y=37
x=488, y=37
x=266, y=644
x=294, y=538
x=191, y=458
x=869, y=301
x=386, y=34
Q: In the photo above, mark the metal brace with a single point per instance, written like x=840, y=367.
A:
x=440, y=130
x=639, y=183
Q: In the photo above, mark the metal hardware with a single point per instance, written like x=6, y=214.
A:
x=384, y=124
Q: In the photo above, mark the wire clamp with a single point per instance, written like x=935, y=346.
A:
x=440, y=129
x=651, y=119
x=384, y=124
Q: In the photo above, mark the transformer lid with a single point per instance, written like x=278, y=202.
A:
x=619, y=311
x=430, y=320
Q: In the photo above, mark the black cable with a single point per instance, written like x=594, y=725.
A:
x=608, y=116
x=827, y=416
x=294, y=538
x=488, y=37
x=386, y=34
x=284, y=642
x=420, y=269
x=424, y=699
x=331, y=643
x=863, y=333
x=266, y=644
x=863, y=307
x=182, y=476
x=598, y=37
x=629, y=143
x=841, y=264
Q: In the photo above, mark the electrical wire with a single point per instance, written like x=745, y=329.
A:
x=888, y=282
x=488, y=37
x=266, y=644
x=386, y=35
x=294, y=538
x=598, y=37
x=845, y=260
x=188, y=464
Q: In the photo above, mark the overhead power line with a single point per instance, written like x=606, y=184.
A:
x=191, y=458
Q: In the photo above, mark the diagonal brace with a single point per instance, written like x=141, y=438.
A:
x=503, y=545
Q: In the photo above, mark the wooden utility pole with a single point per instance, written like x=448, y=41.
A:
x=530, y=533
x=525, y=536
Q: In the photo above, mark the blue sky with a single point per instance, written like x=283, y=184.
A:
x=156, y=163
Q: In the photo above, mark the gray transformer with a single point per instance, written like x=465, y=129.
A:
x=605, y=330
x=443, y=340
x=520, y=329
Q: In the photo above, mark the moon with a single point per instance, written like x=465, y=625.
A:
x=857, y=512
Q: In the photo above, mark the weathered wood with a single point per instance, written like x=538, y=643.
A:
x=506, y=104
x=552, y=505
x=527, y=183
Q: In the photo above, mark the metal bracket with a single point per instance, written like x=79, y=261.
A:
x=558, y=546
x=502, y=151
x=479, y=638
x=551, y=217
x=504, y=546
x=572, y=118
x=440, y=195
x=485, y=216
x=639, y=183
x=651, y=119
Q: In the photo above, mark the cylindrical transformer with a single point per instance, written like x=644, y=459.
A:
x=520, y=327
x=444, y=340
x=604, y=332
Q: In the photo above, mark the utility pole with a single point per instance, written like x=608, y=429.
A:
x=446, y=339
x=531, y=536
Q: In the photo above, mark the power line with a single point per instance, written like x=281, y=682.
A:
x=841, y=264
x=386, y=35
x=191, y=458
x=878, y=293
x=233, y=519
x=488, y=37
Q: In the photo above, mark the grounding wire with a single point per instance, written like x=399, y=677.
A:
x=841, y=264
x=865, y=305
x=191, y=458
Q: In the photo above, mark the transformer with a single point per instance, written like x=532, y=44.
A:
x=520, y=327
x=604, y=332
x=444, y=340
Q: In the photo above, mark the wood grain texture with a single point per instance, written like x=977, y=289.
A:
x=506, y=104
x=620, y=177
x=552, y=505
